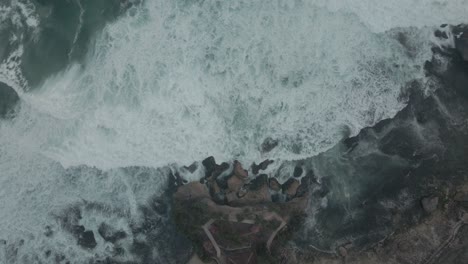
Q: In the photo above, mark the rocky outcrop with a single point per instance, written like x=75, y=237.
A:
x=192, y=191
x=87, y=240
x=393, y=194
x=409, y=206
x=290, y=187
x=230, y=223
x=8, y=100
x=461, y=40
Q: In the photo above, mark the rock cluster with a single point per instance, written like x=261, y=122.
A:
x=234, y=214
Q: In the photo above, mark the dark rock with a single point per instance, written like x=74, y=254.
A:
x=47, y=253
x=258, y=192
x=297, y=172
x=274, y=184
x=110, y=234
x=192, y=168
x=217, y=194
x=262, y=166
x=210, y=165
x=441, y=34
x=59, y=258
x=8, y=100
x=70, y=218
x=259, y=182
x=48, y=231
x=87, y=240
x=351, y=143
x=406, y=41
x=461, y=40
x=269, y=144
x=290, y=187
x=142, y=250
x=429, y=204
x=219, y=170
x=118, y=251
x=239, y=170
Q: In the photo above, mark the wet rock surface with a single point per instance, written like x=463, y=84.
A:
x=269, y=144
x=86, y=239
x=461, y=40
x=395, y=193
x=234, y=229
x=8, y=100
x=110, y=234
x=261, y=166
x=409, y=188
x=370, y=199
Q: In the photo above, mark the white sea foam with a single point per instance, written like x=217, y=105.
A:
x=384, y=15
x=176, y=81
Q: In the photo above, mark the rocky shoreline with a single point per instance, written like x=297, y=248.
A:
x=237, y=220
x=402, y=199
x=396, y=193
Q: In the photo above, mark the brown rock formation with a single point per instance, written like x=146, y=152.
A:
x=233, y=233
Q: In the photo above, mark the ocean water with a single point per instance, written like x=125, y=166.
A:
x=161, y=84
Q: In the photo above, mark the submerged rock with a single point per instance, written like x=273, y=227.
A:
x=297, y=172
x=268, y=144
x=8, y=100
x=87, y=240
x=110, y=234
x=48, y=231
x=461, y=40
x=262, y=166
